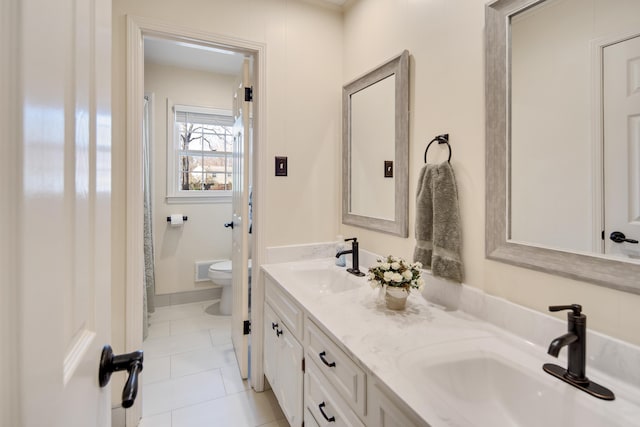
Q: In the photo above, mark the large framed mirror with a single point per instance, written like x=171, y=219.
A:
x=563, y=138
x=375, y=148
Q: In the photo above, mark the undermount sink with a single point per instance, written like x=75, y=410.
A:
x=489, y=383
x=325, y=277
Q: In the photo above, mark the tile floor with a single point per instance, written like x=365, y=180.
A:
x=191, y=377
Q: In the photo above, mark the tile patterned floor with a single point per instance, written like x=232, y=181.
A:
x=191, y=376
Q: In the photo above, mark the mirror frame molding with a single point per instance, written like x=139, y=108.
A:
x=399, y=66
x=596, y=269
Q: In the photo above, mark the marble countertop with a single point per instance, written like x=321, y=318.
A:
x=389, y=343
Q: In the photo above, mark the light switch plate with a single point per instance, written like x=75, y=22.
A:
x=281, y=166
x=388, y=168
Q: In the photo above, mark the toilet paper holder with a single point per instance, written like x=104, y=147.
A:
x=184, y=218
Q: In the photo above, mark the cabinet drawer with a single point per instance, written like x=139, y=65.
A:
x=309, y=421
x=287, y=310
x=342, y=372
x=386, y=411
x=325, y=404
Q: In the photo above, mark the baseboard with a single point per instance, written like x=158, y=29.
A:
x=187, y=297
x=118, y=417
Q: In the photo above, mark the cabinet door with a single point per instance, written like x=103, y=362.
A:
x=289, y=377
x=270, y=345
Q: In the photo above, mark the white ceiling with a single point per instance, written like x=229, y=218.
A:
x=191, y=56
x=197, y=57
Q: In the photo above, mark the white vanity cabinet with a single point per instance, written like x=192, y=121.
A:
x=335, y=389
x=283, y=353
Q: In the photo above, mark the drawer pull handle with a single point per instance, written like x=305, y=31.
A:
x=322, y=355
x=274, y=325
x=278, y=332
x=332, y=419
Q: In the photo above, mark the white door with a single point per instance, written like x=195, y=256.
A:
x=621, y=93
x=239, y=256
x=61, y=190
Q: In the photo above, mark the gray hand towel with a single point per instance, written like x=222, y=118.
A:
x=438, y=237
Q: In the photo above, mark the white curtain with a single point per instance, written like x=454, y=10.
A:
x=149, y=271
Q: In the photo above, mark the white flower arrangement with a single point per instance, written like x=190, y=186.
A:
x=396, y=272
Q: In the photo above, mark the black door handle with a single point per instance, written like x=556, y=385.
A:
x=619, y=237
x=131, y=362
x=229, y=224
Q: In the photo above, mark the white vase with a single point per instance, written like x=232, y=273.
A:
x=396, y=298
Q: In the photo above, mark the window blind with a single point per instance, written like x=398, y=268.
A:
x=203, y=118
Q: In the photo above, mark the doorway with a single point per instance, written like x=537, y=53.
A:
x=140, y=28
x=621, y=140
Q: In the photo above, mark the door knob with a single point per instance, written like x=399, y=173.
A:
x=131, y=362
x=229, y=224
x=619, y=237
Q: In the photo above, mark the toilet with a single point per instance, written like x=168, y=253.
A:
x=220, y=273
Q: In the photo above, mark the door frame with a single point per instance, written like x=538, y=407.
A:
x=10, y=174
x=137, y=28
x=597, y=47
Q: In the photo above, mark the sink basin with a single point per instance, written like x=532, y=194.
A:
x=324, y=277
x=489, y=383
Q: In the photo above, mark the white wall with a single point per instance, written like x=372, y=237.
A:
x=203, y=237
x=302, y=115
x=445, y=39
x=310, y=55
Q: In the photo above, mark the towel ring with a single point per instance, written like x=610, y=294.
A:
x=442, y=139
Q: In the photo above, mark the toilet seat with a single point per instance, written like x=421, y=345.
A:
x=225, y=266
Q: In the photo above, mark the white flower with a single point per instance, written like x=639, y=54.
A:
x=395, y=272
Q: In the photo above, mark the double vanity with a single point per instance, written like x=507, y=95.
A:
x=334, y=355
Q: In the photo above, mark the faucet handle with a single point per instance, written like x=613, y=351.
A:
x=577, y=308
x=352, y=239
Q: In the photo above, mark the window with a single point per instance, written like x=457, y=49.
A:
x=199, y=155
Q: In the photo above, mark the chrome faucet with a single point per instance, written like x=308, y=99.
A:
x=355, y=257
x=576, y=340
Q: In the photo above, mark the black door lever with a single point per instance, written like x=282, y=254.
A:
x=131, y=362
x=619, y=237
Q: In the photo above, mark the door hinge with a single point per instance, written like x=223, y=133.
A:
x=602, y=234
x=246, y=327
x=248, y=94
x=303, y=365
